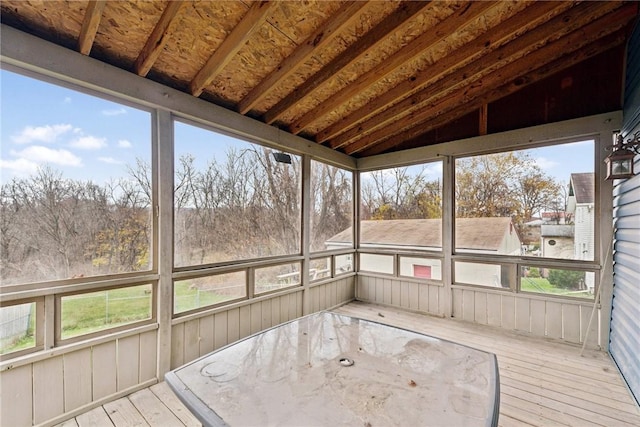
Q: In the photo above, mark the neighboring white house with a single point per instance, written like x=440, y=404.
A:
x=582, y=207
x=473, y=235
x=557, y=241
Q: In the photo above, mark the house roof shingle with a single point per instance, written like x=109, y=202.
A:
x=471, y=233
x=583, y=185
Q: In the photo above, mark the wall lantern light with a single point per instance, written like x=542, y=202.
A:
x=282, y=158
x=620, y=161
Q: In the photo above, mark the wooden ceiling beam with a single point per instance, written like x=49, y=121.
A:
x=372, y=38
x=534, y=15
x=479, y=72
x=343, y=18
x=450, y=25
x=236, y=40
x=157, y=40
x=90, y=23
x=489, y=94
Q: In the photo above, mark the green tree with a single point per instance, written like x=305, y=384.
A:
x=566, y=279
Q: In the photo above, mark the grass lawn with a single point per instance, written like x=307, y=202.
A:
x=95, y=311
x=186, y=297
x=540, y=285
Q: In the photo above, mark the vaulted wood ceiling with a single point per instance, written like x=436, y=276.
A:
x=360, y=77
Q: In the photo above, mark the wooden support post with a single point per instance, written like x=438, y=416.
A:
x=484, y=118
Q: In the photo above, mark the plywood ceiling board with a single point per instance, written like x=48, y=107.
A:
x=158, y=38
x=318, y=38
x=360, y=47
x=201, y=27
x=406, y=111
x=366, y=18
x=480, y=47
x=386, y=74
x=235, y=40
x=517, y=75
x=381, y=52
x=123, y=30
x=48, y=20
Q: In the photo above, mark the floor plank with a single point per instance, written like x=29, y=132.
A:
x=153, y=410
x=164, y=393
x=123, y=413
x=69, y=423
x=542, y=382
x=96, y=417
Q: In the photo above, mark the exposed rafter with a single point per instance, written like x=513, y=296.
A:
x=560, y=37
x=344, y=17
x=427, y=40
x=360, y=77
x=90, y=25
x=475, y=50
x=480, y=95
x=250, y=23
x=372, y=38
x=156, y=41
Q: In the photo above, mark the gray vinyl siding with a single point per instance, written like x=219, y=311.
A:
x=624, y=343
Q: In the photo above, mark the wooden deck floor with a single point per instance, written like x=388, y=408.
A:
x=153, y=406
x=542, y=383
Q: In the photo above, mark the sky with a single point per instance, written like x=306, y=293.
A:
x=88, y=138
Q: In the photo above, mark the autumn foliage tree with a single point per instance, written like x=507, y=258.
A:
x=503, y=185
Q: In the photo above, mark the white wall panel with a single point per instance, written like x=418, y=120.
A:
x=16, y=396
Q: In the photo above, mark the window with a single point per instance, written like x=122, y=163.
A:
x=421, y=268
x=75, y=196
x=320, y=268
x=377, y=263
x=556, y=281
x=331, y=207
x=344, y=264
x=401, y=208
x=200, y=292
x=233, y=199
x=277, y=277
x=17, y=327
x=96, y=311
x=485, y=274
x=536, y=202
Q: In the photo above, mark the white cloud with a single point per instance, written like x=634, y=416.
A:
x=89, y=143
x=110, y=160
x=117, y=112
x=546, y=164
x=19, y=167
x=39, y=154
x=48, y=133
x=66, y=100
x=123, y=143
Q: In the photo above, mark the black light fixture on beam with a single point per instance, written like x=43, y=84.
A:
x=620, y=161
x=282, y=158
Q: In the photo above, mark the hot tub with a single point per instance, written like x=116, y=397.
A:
x=330, y=370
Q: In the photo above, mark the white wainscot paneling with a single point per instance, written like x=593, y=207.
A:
x=545, y=317
x=411, y=295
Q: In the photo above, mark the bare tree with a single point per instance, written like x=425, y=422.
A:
x=401, y=193
x=331, y=198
